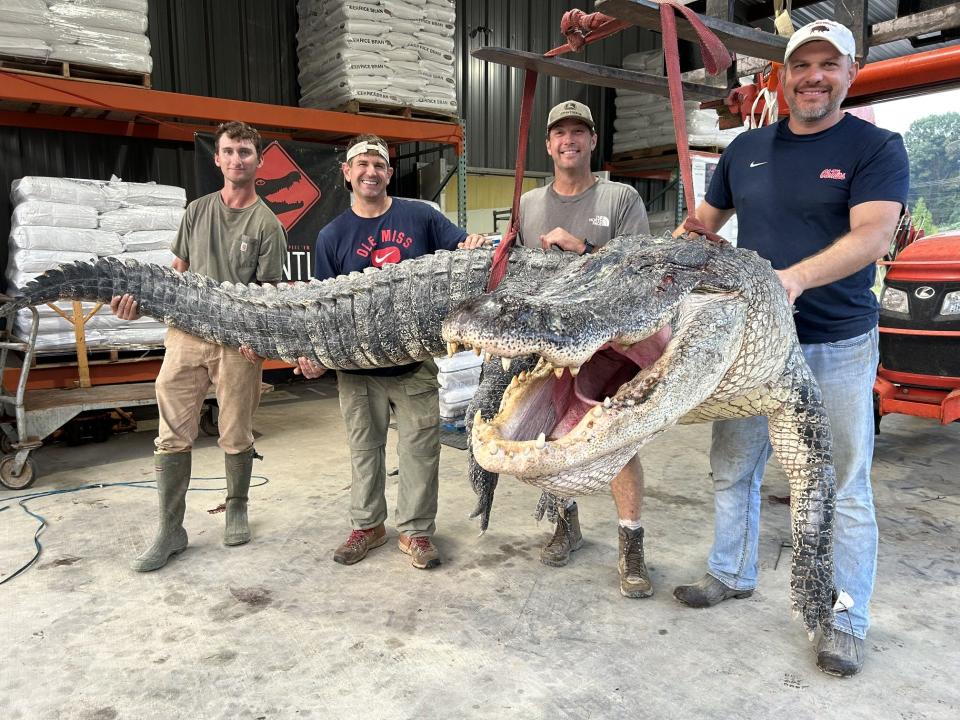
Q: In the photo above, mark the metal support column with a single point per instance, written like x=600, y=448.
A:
x=462, y=179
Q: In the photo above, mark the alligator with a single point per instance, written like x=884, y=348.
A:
x=587, y=357
x=267, y=187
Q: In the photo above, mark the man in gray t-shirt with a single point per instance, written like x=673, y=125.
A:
x=578, y=212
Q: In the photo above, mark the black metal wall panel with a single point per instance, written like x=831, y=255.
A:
x=234, y=49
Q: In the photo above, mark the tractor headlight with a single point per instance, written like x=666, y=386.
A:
x=951, y=303
x=894, y=300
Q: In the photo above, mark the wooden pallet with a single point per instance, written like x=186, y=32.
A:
x=360, y=107
x=659, y=151
x=73, y=70
x=97, y=355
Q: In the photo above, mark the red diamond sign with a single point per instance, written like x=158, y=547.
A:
x=284, y=187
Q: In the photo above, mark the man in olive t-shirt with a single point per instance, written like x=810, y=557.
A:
x=230, y=235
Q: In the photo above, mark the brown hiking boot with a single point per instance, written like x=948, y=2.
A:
x=423, y=553
x=566, y=538
x=634, y=577
x=360, y=542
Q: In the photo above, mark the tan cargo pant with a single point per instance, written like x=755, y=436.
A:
x=366, y=402
x=190, y=366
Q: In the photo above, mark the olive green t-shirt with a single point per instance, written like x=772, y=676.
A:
x=227, y=244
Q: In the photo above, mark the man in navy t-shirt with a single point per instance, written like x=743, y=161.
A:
x=819, y=195
x=380, y=230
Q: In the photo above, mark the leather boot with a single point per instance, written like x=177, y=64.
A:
x=239, y=467
x=634, y=576
x=173, y=479
x=566, y=538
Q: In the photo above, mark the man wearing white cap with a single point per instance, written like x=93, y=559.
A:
x=380, y=230
x=819, y=194
x=578, y=212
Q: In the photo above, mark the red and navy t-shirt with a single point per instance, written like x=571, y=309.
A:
x=407, y=230
x=793, y=195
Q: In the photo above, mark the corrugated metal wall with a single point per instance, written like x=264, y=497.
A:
x=246, y=49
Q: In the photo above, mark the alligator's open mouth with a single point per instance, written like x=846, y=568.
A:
x=550, y=409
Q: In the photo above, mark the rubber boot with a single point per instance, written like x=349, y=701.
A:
x=239, y=467
x=173, y=479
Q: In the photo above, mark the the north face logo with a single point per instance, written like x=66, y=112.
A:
x=832, y=174
x=600, y=221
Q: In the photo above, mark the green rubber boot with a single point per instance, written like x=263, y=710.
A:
x=173, y=479
x=239, y=467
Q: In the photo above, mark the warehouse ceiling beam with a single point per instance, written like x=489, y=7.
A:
x=737, y=38
x=165, y=115
x=590, y=74
x=911, y=26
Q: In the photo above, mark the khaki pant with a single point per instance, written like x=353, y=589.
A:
x=366, y=402
x=190, y=366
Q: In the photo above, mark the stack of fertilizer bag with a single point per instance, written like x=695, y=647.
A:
x=646, y=121
x=100, y=33
x=62, y=220
x=397, y=53
x=459, y=379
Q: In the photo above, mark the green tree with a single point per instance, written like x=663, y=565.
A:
x=933, y=146
x=922, y=219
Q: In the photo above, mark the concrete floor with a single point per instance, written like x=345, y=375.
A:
x=275, y=629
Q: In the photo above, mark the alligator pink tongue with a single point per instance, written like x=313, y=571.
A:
x=601, y=377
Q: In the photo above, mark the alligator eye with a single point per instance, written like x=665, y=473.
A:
x=665, y=282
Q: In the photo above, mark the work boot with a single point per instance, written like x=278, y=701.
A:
x=358, y=544
x=423, y=553
x=841, y=655
x=634, y=576
x=566, y=538
x=239, y=467
x=707, y=592
x=173, y=479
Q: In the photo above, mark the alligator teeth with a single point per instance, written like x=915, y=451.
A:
x=505, y=362
x=478, y=418
x=575, y=371
x=486, y=357
x=514, y=381
x=630, y=403
x=558, y=372
x=522, y=376
x=452, y=349
x=607, y=403
x=541, y=442
x=598, y=411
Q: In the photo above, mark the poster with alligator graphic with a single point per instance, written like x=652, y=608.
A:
x=301, y=182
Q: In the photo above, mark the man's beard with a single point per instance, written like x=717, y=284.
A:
x=816, y=113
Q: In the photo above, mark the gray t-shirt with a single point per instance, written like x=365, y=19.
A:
x=601, y=212
x=227, y=244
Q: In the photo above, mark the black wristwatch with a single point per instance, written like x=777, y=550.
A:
x=588, y=246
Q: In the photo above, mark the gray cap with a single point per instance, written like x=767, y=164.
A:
x=570, y=109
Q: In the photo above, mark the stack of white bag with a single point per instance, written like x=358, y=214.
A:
x=385, y=52
x=101, y=33
x=644, y=120
x=459, y=378
x=62, y=220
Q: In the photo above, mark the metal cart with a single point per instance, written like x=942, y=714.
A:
x=29, y=416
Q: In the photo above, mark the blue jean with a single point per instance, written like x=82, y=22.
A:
x=845, y=371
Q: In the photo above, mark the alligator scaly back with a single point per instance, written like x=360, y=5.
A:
x=378, y=318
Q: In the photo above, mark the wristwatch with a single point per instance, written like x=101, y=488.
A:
x=588, y=247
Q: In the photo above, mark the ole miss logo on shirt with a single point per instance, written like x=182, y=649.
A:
x=385, y=249
x=833, y=174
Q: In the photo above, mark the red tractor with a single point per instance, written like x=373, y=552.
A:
x=919, y=371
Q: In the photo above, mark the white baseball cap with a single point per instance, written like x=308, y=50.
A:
x=827, y=30
x=570, y=109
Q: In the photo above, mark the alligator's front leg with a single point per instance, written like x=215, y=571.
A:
x=801, y=439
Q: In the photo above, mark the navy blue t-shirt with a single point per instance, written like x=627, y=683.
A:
x=793, y=195
x=407, y=230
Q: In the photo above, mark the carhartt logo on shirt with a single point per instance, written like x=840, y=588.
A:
x=600, y=221
x=832, y=174
x=243, y=247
